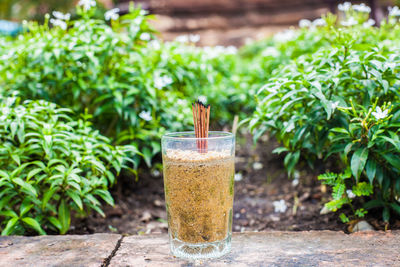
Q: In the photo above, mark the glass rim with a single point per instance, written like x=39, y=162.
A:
x=190, y=135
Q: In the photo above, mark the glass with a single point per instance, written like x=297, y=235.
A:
x=199, y=193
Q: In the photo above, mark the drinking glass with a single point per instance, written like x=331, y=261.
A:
x=198, y=183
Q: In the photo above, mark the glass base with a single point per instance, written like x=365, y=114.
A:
x=200, y=251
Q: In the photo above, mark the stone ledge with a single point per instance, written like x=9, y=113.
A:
x=69, y=250
x=314, y=248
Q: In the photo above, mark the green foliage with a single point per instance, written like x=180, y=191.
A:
x=52, y=167
x=334, y=105
x=22, y=9
x=135, y=86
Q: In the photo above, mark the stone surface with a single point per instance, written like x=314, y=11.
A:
x=72, y=250
x=314, y=248
x=362, y=226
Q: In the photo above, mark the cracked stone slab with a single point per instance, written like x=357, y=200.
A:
x=314, y=248
x=68, y=250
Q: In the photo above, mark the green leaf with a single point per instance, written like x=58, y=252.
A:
x=379, y=175
x=362, y=189
x=92, y=199
x=147, y=155
x=386, y=214
x=34, y=225
x=393, y=160
x=4, y=174
x=395, y=207
x=338, y=191
x=340, y=130
x=33, y=173
x=291, y=160
x=360, y=213
x=110, y=177
x=370, y=169
x=99, y=165
x=358, y=161
x=328, y=178
x=105, y=195
x=98, y=209
x=54, y=221
x=348, y=148
x=25, y=207
x=47, y=196
x=375, y=203
x=343, y=218
x=76, y=198
x=16, y=158
x=13, y=127
x=9, y=213
x=10, y=226
x=28, y=187
x=64, y=216
x=279, y=150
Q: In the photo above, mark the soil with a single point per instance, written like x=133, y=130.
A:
x=140, y=206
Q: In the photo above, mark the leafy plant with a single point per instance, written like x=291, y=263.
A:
x=371, y=148
x=135, y=86
x=323, y=107
x=52, y=167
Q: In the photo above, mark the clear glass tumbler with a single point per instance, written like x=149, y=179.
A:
x=198, y=187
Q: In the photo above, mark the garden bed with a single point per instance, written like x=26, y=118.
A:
x=140, y=205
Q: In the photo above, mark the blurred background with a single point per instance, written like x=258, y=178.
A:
x=218, y=22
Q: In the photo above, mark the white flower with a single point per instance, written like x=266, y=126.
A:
x=215, y=51
x=334, y=105
x=362, y=8
x=296, y=179
x=394, y=11
x=304, y=23
x=146, y=115
x=155, y=173
x=61, y=16
x=231, y=50
x=369, y=23
x=155, y=44
x=194, y=38
x=350, y=193
x=162, y=81
x=285, y=36
x=112, y=14
x=349, y=22
x=60, y=23
x=270, y=52
x=379, y=114
x=319, y=22
x=279, y=206
x=145, y=36
x=138, y=20
x=87, y=4
x=344, y=7
x=182, y=39
x=257, y=166
x=181, y=102
x=202, y=99
x=238, y=177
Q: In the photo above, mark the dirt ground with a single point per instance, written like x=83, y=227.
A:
x=261, y=179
